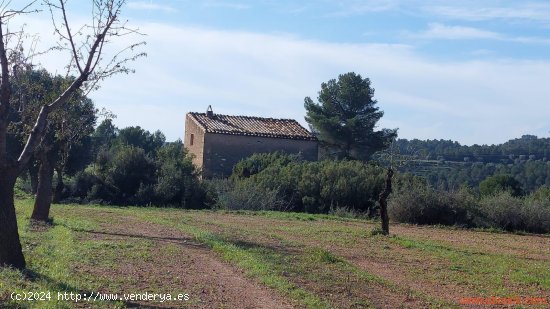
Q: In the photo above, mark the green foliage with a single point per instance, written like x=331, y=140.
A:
x=516, y=214
x=421, y=204
x=444, y=166
x=119, y=179
x=528, y=147
x=542, y=194
x=21, y=190
x=130, y=169
x=315, y=187
x=104, y=135
x=345, y=118
x=68, y=128
x=177, y=178
x=499, y=183
x=138, y=137
x=244, y=195
x=127, y=175
x=259, y=162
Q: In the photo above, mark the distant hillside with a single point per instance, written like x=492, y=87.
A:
x=448, y=164
x=524, y=148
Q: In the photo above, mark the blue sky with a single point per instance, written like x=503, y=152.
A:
x=472, y=71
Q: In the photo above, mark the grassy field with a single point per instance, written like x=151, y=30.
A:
x=169, y=258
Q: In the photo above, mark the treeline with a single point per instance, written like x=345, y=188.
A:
x=531, y=174
x=528, y=147
x=132, y=166
x=449, y=165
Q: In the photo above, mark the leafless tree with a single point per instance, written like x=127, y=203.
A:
x=392, y=159
x=88, y=60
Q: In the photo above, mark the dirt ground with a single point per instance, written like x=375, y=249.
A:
x=190, y=268
x=395, y=263
x=404, y=277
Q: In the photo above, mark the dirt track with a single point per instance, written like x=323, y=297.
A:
x=189, y=268
x=408, y=277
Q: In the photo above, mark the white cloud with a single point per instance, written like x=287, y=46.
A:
x=471, y=10
x=150, y=6
x=269, y=75
x=441, y=31
x=359, y=7
x=527, y=11
x=445, y=32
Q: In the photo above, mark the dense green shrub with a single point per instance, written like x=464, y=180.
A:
x=516, y=214
x=244, y=195
x=421, y=204
x=126, y=175
x=130, y=170
x=140, y=138
x=536, y=214
x=81, y=184
x=313, y=187
x=122, y=175
x=498, y=183
x=541, y=194
x=260, y=161
x=177, y=178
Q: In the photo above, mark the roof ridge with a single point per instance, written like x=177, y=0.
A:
x=246, y=116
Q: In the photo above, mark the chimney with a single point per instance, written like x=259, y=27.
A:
x=209, y=112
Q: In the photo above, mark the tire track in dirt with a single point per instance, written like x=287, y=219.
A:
x=533, y=247
x=259, y=232
x=396, y=267
x=192, y=268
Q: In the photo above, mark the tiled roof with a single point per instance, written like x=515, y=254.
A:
x=252, y=126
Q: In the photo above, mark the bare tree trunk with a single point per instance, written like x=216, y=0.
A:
x=33, y=175
x=383, y=201
x=11, y=253
x=43, y=199
x=58, y=192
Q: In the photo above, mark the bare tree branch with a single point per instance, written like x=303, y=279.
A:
x=7, y=14
x=70, y=35
x=39, y=128
x=105, y=24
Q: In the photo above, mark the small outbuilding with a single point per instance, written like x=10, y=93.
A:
x=218, y=142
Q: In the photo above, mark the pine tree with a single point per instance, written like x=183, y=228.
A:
x=345, y=118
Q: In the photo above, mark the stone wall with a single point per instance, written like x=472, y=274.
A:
x=223, y=151
x=193, y=128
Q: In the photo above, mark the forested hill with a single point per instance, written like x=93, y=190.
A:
x=448, y=165
x=524, y=148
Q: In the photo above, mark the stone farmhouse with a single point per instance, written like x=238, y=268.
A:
x=218, y=142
